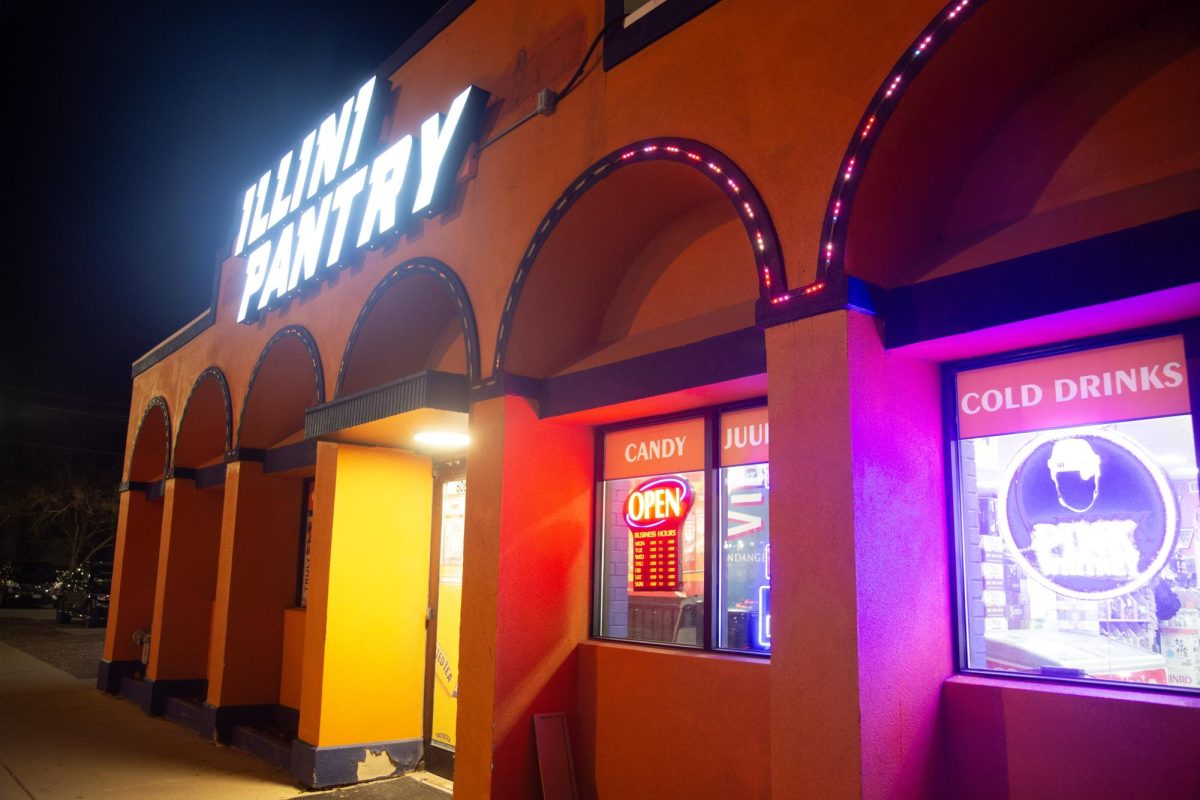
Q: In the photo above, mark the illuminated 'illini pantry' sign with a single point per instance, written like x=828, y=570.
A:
x=323, y=203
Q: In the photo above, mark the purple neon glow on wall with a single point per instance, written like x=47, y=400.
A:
x=830, y=259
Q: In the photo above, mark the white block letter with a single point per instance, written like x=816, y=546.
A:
x=436, y=139
x=256, y=271
x=277, y=278
x=309, y=238
x=343, y=199
x=331, y=141
x=387, y=180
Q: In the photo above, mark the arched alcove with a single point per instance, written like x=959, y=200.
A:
x=139, y=533
x=206, y=426
x=287, y=379
x=1020, y=137
x=419, y=317
x=643, y=253
x=151, y=451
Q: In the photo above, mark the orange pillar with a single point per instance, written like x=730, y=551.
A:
x=256, y=581
x=187, y=579
x=902, y=567
x=859, y=573
x=131, y=607
x=815, y=735
x=526, y=579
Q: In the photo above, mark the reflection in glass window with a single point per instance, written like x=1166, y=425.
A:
x=652, y=558
x=745, y=585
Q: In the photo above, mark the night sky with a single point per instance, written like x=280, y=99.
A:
x=130, y=132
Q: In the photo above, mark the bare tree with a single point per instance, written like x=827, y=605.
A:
x=80, y=513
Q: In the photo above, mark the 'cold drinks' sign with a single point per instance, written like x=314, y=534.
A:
x=1111, y=384
x=1086, y=511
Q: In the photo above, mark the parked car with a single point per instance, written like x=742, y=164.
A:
x=27, y=583
x=84, y=595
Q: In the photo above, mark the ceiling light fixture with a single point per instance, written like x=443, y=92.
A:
x=442, y=440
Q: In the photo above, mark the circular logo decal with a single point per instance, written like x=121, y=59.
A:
x=1087, y=514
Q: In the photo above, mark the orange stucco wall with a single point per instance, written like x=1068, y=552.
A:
x=854, y=701
x=656, y=723
x=139, y=526
x=512, y=49
x=1025, y=742
x=815, y=735
x=187, y=581
x=260, y=540
x=902, y=571
x=292, y=671
x=525, y=589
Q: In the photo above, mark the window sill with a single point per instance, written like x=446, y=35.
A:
x=653, y=649
x=1037, y=687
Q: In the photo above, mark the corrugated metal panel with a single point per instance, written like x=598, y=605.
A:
x=428, y=389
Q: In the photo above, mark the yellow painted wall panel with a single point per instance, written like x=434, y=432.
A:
x=371, y=684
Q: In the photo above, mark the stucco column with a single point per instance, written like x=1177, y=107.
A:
x=131, y=605
x=525, y=590
x=256, y=581
x=862, y=637
x=816, y=741
x=905, y=643
x=187, y=577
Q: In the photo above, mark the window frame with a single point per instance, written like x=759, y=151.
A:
x=1189, y=330
x=711, y=416
x=307, y=488
x=621, y=42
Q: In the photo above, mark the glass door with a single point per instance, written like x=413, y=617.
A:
x=445, y=605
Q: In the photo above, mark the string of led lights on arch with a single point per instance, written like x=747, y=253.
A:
x=830, y=259
x=708, y=161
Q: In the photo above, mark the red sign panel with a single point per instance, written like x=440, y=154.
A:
x=1139, y=380
x=655, y=449
x=655, y=512
x=656, y=562
x=745, y=437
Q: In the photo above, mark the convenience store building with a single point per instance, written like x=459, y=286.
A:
x=799, y=398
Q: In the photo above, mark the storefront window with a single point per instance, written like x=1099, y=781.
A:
x=1077, y=510
x=306, y=520
x=745, y=582
x=656, y=533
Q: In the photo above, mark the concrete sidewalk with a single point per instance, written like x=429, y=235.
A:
x=62, y=739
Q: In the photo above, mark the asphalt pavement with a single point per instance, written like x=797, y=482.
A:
x=73, y=648
x=62, y=739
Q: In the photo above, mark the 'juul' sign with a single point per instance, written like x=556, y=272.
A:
x=323, y=202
